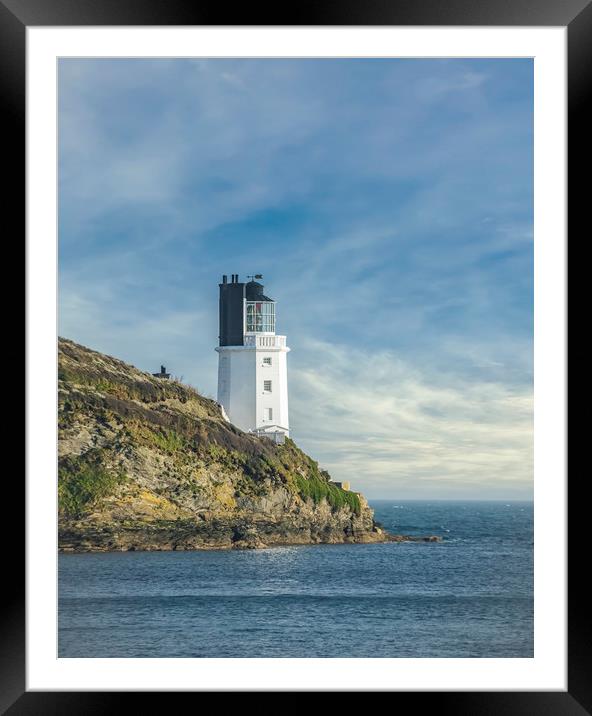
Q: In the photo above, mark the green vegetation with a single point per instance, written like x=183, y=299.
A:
x=107, y=386
x=303, y=475
x=83, y=481
x=318, y=489
x=168, y=440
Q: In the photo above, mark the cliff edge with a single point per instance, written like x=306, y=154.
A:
x=150, y=464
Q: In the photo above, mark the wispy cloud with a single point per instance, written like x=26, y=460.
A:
x=436, y=87
x=394, y=429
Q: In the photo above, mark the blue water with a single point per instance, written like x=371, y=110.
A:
x=468, y=596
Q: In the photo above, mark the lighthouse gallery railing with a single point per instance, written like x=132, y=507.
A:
x=265, y=341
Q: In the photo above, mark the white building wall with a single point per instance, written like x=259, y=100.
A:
x=236, y=385
x=241, y=376
x=277, y=399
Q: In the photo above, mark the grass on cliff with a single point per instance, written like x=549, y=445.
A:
x=82, y=367
x=319, y=489
x=168, y=440
x=314, y=483
x=286, y=464
x=84, y=481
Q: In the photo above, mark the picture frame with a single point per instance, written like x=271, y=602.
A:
x=17, y=15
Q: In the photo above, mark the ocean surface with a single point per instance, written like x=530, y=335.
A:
x=469, y=596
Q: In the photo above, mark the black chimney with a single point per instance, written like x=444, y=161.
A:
x=232, y=297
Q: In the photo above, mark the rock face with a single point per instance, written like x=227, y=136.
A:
x=150, y=464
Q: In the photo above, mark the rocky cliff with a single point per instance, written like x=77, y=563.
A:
x=150, y=464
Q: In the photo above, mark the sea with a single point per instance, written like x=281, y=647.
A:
x=468, y=596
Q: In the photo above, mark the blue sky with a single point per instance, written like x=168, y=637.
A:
x=388, y=204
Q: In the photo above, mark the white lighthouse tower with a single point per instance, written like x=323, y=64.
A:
x=252, y=365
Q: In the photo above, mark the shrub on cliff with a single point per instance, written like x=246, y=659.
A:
x=84, y=481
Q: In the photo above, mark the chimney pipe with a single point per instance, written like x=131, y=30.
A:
x=224, y=278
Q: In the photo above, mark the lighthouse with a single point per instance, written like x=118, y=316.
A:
x=252, y=360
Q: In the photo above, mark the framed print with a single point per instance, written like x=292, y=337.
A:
x=337, y=469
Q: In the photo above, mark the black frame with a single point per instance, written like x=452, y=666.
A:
x=16, y=15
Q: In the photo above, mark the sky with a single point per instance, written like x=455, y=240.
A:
x=388, y=204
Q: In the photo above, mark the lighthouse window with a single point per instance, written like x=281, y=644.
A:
x=267, y=386
x=267, y=361
x=260, y=316
x=268, y=413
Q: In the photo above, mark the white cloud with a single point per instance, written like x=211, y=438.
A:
x=395, y=430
